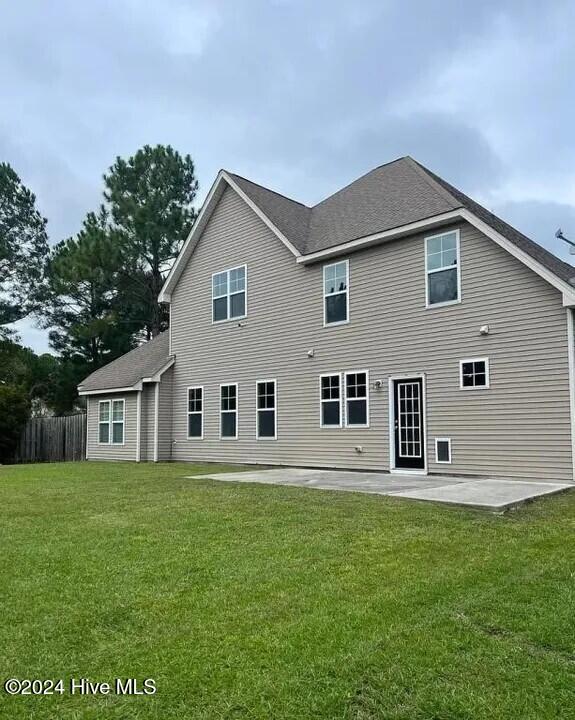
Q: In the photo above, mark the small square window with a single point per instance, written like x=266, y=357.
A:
x=474, y=373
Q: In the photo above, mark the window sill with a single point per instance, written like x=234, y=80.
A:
x=336, y=324
x=442, y=304
x=227, y=320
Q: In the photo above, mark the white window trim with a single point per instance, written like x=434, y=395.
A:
x=228, y=295
x=275, y=408
x=339, y=292
x=437, y=460
x=236, y=411
x=354, y=372
x=322, y=401
x=430, y=272
x=105, y=422
x=194, y=412
x=111, y=422
x=474, y=387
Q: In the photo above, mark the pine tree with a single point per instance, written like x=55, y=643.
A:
x=150, y=199
x=23, y=249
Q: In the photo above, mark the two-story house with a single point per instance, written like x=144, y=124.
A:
x=397, y=325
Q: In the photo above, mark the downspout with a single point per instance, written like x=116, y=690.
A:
x=138, y=425
x=87, y=416
x=571, y=358
x=156, y=420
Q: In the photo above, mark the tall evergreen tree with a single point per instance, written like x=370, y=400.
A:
x=83, y=311
x=23, y=249
x=150, y=197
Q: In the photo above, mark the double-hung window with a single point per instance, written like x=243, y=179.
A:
x=229, y=294
x=111, y=422
x=196, y=412
x=266, y=410
x=229, y=411
x=104, y=422
x=442, y=269
x=330, y=400
x=356, y=399
x=336, y=293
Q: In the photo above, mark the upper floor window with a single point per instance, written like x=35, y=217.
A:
x=442, y=269
x=336, y=293
x=474, y=373
x=229, y=294
x=111, y=422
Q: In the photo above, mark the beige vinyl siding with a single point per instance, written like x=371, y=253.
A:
x=127, y=451
x=165, y=416
x=147, y=423
x=519, y=427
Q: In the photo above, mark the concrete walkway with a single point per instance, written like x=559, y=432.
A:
x=487, y=494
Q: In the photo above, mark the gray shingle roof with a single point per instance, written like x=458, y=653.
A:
x=290, y=217
x=398, y=193
x=129, y=369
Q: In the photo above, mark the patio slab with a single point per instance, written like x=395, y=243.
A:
x=486, y=494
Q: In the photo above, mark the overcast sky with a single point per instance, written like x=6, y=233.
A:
x=301, y=97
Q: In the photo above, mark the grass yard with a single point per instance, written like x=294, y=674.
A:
x=262, y=602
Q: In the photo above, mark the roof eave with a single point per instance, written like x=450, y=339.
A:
x=461, y=213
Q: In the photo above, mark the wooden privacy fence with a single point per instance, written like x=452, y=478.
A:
x=53, y=439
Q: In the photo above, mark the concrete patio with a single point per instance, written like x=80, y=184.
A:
x=486, y=493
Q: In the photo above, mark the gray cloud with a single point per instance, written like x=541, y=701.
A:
x=300, y=96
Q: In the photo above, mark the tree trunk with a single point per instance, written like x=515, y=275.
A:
x=157, y=282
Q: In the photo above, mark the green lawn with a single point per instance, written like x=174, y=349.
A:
x=254, y=601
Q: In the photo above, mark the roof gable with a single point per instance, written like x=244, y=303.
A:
x=392, y=200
